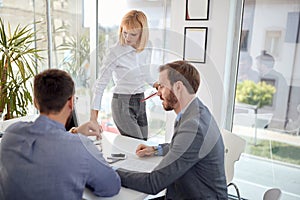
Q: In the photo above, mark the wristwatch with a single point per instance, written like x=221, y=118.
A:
x=155, y=148
x=73, y=130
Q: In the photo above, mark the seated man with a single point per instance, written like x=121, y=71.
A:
x=41, y=160
x=193, y=163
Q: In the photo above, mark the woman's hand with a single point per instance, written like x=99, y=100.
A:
x=90, y=128
x=156, y=85
x=93, y=118
x=94, y=115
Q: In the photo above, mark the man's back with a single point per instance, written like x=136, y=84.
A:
x=40, y=160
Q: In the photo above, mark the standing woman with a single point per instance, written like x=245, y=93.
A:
x=128, y=63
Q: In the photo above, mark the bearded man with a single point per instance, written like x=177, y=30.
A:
x=193, y=162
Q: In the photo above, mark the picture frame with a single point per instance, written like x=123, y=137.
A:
x=195, y=44
x=197, y=10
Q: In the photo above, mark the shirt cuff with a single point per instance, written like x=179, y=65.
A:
x=158, y=150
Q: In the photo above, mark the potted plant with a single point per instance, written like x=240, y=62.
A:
x=18, y=65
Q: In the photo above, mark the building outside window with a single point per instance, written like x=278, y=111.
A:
x=271, y=128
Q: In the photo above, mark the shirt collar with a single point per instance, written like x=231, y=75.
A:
x=184, y=109
x=47, y=120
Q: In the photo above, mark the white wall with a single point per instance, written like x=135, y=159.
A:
x=212, y=72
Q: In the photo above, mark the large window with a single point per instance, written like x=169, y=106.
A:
x=75, y=35
x=267, y=105
x=16, y=15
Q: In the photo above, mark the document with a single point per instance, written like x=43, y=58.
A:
x=138, y=165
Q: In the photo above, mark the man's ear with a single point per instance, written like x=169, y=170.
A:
x=36, y=105
x=178, y=85
x=71, y=102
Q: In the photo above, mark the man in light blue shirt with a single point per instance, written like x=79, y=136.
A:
x=41, y=160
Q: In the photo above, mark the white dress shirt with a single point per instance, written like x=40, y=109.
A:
x=129, y=69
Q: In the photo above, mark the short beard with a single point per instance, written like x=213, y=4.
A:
x=170, y=101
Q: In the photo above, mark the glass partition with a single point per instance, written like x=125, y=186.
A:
x=71, y=48
x=267, y=105
x=17, y=15
x=75, y=36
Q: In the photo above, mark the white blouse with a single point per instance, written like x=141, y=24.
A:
x=130, y=72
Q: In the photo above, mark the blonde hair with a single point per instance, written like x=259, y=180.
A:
x=135, y=19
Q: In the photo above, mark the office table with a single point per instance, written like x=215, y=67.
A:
x=115, y=143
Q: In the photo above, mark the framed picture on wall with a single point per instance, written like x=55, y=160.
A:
x=195, y=42
x=196, y=9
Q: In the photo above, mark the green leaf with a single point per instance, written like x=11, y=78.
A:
x=2, y=33
x=259, y=94
x=19, y=60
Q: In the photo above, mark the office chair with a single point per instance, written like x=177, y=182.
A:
x=73, y=121
x=234, y=146
x=272, y=194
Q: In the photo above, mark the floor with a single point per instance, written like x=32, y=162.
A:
x=254, y=175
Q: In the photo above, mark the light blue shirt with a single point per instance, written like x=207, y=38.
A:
x=41, y=160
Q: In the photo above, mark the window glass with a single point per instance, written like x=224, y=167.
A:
x=267, y=103
x=17, y=14
x=66, y=33
x=71, y=49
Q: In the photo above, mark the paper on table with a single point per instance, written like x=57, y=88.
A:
x=136, y=165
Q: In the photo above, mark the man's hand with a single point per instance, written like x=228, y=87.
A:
x=90, y=128
x=144, y=150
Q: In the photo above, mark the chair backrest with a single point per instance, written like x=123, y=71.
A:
x=6, y=123
x=272, y=194
x=234, y=146
x=73, y=121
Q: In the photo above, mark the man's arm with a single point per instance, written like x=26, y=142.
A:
x=102, y=179
x=180, y=158
x=144, y=150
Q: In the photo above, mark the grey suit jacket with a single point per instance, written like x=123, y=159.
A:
x=193, y=163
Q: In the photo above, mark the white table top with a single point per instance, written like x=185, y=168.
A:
x=115, y=143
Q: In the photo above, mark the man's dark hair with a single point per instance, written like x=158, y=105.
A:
x=184, y=72
x=52, y=89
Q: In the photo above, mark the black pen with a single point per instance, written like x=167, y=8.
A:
x=114, y=161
